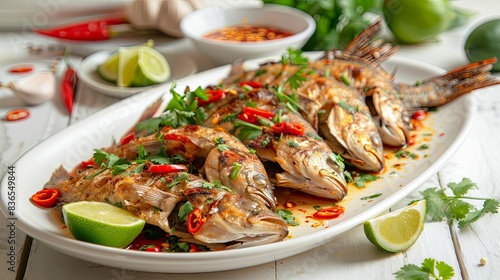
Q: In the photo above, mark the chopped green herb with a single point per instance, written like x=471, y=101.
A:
x=360, y=179
x=216, y=184
x=184, y=211
x=230, y=117
x=317, y=207
x=404, y=154
x=287, y=215
x=314, y=136
x=252, y=151
x=293, y=144
x=235, y=171
x=247, y=130
x=222, y=147
x=178, y=179
x=371, y=196
x=345, y=79
x=426, y=271
x=423, y=147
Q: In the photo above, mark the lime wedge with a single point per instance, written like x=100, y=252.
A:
x=108, y=70
x=101, y=223
x=127, y=65
x=398, y=230
x=152, y=68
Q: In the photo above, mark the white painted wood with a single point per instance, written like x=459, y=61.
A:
x=350, y=256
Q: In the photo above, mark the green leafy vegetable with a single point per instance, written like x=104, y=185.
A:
x=441, y=206
x=426, y=271
x=360, y=179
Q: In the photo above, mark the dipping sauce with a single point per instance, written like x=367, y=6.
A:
x=247, y=33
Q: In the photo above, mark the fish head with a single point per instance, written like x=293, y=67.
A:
x=230, y=217
x=358, y=135
x=393, y=123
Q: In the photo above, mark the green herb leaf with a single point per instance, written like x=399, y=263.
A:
x=426, y=271
x=287, y=215
x=184, y=211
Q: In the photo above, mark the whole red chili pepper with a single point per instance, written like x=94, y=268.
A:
x=46, y=197
x=68, y=87
x=93, y=30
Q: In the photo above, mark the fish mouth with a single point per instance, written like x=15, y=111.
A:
x=394, y=135
x=262, y=197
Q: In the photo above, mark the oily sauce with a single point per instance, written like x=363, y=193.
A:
x=247, y=33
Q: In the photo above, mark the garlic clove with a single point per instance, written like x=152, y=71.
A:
x=36, y=88
x=171, y=13
x=143, y=14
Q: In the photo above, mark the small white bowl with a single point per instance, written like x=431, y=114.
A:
x=200, y=22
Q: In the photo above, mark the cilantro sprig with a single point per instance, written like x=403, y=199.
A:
x=426, y=271
x=441, y=206
x=107, y=161
x=181, y=110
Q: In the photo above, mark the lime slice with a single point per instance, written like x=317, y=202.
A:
x=108, y=70
x=398, y=230
x=101, y=223
x=152, y=68
x=127, y=65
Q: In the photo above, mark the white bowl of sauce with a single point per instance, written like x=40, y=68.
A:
x=226, y=34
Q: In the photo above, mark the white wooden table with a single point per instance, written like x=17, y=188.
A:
x=350, y=256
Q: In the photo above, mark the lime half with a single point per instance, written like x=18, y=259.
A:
x=152, y=68
x=398, y=230
x=101, y=223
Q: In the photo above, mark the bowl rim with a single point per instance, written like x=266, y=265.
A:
x=306, y=33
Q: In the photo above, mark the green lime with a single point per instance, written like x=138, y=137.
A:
x=152, y=68
x=108, y=70
x=101, y=223
x=483, y=42
x=414, y=21
x=127, y=65
x=399, y=230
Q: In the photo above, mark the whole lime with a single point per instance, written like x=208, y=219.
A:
x=414, y=21
x=484, y=42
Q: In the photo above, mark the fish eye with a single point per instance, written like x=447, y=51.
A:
x=259, y=179
x=376, y=140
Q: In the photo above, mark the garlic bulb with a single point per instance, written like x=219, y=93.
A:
x=36, y=88
x=143, y=14
x=171, y=13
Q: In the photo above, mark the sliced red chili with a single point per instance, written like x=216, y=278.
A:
x=288, y=128
x=128, y=138
x=213, y=95
x=166, y=168
x=419, y=115
x=21, y=69
x=258, y=112
x=247, y=117
x=17, y=114
x=68, y=88
x=195, y=221
x=329, y=213
x=193, y=248
x=46, y=197
x=250, y=84
x=153, y=249
x=90, y=162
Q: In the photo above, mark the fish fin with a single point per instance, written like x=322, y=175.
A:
x=59, y=175
x=157, y=198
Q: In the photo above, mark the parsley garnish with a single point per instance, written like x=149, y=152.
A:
x=440, y=206
x=109, y=161
x=247, y=130
x=426, y=271
x=216, y=184
x=178, y=179
x=287, y=215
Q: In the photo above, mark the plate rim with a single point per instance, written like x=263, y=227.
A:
x=269, y=252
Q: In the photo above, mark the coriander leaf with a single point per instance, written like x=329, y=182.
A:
x=435, y=204
x=184, y=211
x=445, y=271
x=411, y=272
x=489, y=206
x=428, y=265
x=463, y=187
x=458, y=209
x=287, y=215
x=99, y=157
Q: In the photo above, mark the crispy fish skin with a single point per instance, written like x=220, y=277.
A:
x=220, y=153
x=155, y=196
x=306, y=159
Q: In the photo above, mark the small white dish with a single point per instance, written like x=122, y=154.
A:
x=200, y=22
x=181, y=66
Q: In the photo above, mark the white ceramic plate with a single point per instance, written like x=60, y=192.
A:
x=448, y=126
x=181, y=66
